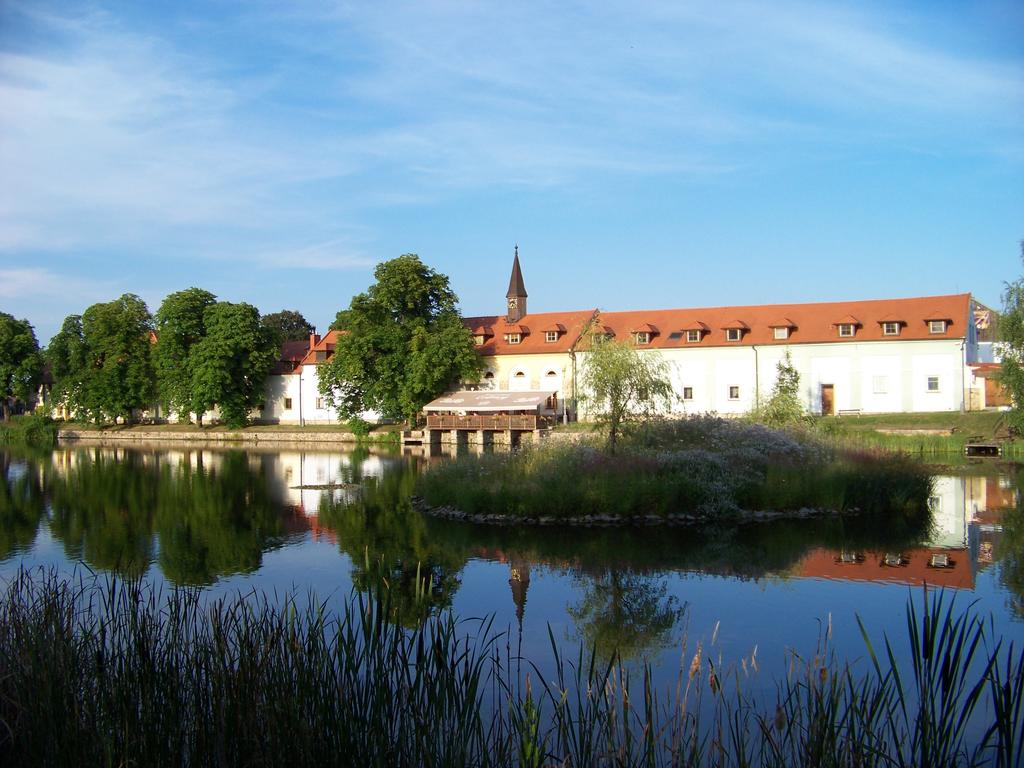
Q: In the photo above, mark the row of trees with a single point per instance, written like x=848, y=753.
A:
x=116, y=358
x=403, y=343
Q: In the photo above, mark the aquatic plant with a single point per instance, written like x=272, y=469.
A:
x=97, y=670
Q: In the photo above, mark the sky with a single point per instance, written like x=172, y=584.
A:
x=641, y=154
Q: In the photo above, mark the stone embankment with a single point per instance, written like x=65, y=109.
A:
x=605, y=521
x=218, y=437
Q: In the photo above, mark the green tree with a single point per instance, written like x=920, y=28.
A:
x=405, y=344
x=289, y=325
x=180, y=325
x=68, y=359
x=1011, y=337
x=117, y=377
x=783, y=406
x=21, y=364
x=620, y=384
x=341, y=320
x=231, y=363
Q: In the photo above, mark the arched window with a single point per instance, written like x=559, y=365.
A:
x=551, y=375
x=520, y=375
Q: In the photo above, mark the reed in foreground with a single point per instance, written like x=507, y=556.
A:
x=106, y=672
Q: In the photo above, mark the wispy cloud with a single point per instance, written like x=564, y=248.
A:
x=269, y=133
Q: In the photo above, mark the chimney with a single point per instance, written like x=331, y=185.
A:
x=314, y=339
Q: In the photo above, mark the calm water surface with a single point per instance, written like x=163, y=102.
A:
x=230, y=521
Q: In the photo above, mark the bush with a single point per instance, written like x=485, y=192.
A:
x=31, y=429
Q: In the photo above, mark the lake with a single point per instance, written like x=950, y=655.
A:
x=228, y=521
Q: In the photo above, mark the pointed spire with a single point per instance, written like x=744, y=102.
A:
x=516, y=287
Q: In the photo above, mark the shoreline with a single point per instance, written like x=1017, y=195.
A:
x=612, y=521
x=198, y=436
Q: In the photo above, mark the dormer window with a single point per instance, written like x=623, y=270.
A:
x=936, y=326
x=735, y=329
x=780, y=333
x=513, y=338
x=692, y=337
x=642, y=337
x=550, y=336
x=478, y=340
x=890, y=328
x=847, y=330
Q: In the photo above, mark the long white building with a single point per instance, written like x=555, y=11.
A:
x=878, y=356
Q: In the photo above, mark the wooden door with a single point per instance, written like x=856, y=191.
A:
x=827, y=399
x=995, y=395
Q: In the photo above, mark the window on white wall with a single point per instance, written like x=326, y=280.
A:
x=933, y=383
x=687, y=393
x=319, y=403
x=734, y=393
x=880, y=385
x=287, y=403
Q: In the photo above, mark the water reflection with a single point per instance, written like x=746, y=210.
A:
x=200, y=515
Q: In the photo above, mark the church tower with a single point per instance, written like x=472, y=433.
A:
x=516, y=295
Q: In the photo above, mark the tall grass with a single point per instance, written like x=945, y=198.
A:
x=97, y=672
x=706, y=467
x=31, y=429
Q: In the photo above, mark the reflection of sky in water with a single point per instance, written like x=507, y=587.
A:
x=775, y=612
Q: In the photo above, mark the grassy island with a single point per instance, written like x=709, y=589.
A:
x=701, y=468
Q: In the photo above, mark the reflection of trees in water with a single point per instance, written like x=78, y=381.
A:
x=396, y=553
x=215, y=521
x=211, y=520
x=101, y=510
x=21, y=507
x=1010, y=551
x=626, y=613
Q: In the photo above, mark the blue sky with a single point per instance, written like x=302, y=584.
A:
x=652, y=154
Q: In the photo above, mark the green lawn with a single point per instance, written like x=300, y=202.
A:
x=981, y=423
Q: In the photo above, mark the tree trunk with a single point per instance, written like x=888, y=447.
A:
x=199, y=419
x=6, y=409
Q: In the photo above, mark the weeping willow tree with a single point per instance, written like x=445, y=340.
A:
x=621, y=384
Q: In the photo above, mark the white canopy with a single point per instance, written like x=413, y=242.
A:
x=489, y=401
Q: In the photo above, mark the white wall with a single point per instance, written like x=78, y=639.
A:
x=873, y=377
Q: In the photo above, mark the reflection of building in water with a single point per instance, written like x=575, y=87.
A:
x=965, y=520
x=519, y=580
x=942, y=567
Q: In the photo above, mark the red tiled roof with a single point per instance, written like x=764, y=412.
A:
x=325, y=345
x=847, y=320
x=643, y=328
x=782, y=322
x=571, y=323
x=694, y=325
x=811, y=323
x=733, y=324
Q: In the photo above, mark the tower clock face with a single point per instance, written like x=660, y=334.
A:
x=513, y=302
